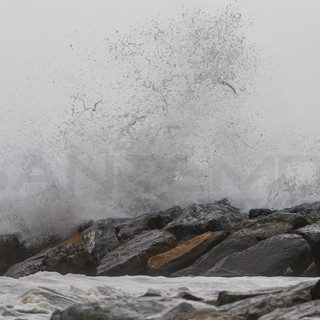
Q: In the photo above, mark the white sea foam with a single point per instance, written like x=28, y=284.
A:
x=36, y=296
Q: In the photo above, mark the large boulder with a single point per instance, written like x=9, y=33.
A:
x=132, y=257
x=131, y=310
x=105, y=235
x=197, y=219
x=256, y=307
x=254, y=213
x=266, y=226
x=311, y=233
x=156, y=308
x=275, y=256
x=101, y=237
x=310, y=211
x=11, y=252
x=237, y=242
x=305, y=311
x=226, y=297
x=148, y=221
x=70, y=256
x=185, y=254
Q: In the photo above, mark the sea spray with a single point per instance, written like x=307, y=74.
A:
x=166, y=113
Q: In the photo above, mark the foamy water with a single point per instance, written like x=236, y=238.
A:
x=37, y=296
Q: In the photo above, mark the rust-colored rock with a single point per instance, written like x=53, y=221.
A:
x=185, y=254
x=131, y=258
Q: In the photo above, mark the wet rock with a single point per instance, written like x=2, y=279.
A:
x=116, y=311
x=185, y=254
x=105, y=235
x=205, y=315
x=254, y=213
x=264, y=227
x=310, y=211
x=306, y=311
x=237, y=242
x=197, y=219
x=149, y=221
x=100, y=238
x=270, y=257
x=70, y=256
x=254, y=308
x=128, y=309
x=26, y=267
x=11, y=252
x=226, y=297
x=132, y=257
x=312, y=234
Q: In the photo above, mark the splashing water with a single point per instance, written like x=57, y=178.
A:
x=156, y=116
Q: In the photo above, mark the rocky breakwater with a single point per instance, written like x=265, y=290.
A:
x=213, y=240
x=200, y=240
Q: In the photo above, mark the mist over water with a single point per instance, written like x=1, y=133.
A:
x=168, y=112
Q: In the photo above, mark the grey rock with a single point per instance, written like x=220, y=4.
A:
x=132, y=257
x=237, y=242
x=310, y=211
x=226, y=297
x=311, y=233
x=270, y=257
x=105, y=235
x=116, y=311
x=29, y=266
x=197, y=219
x=149, y=221
x=254, y=213
x=101, y=237
x=72, y=258
x=143, y=308
x=254, y=308
x=264, y=227
x=306, y=311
